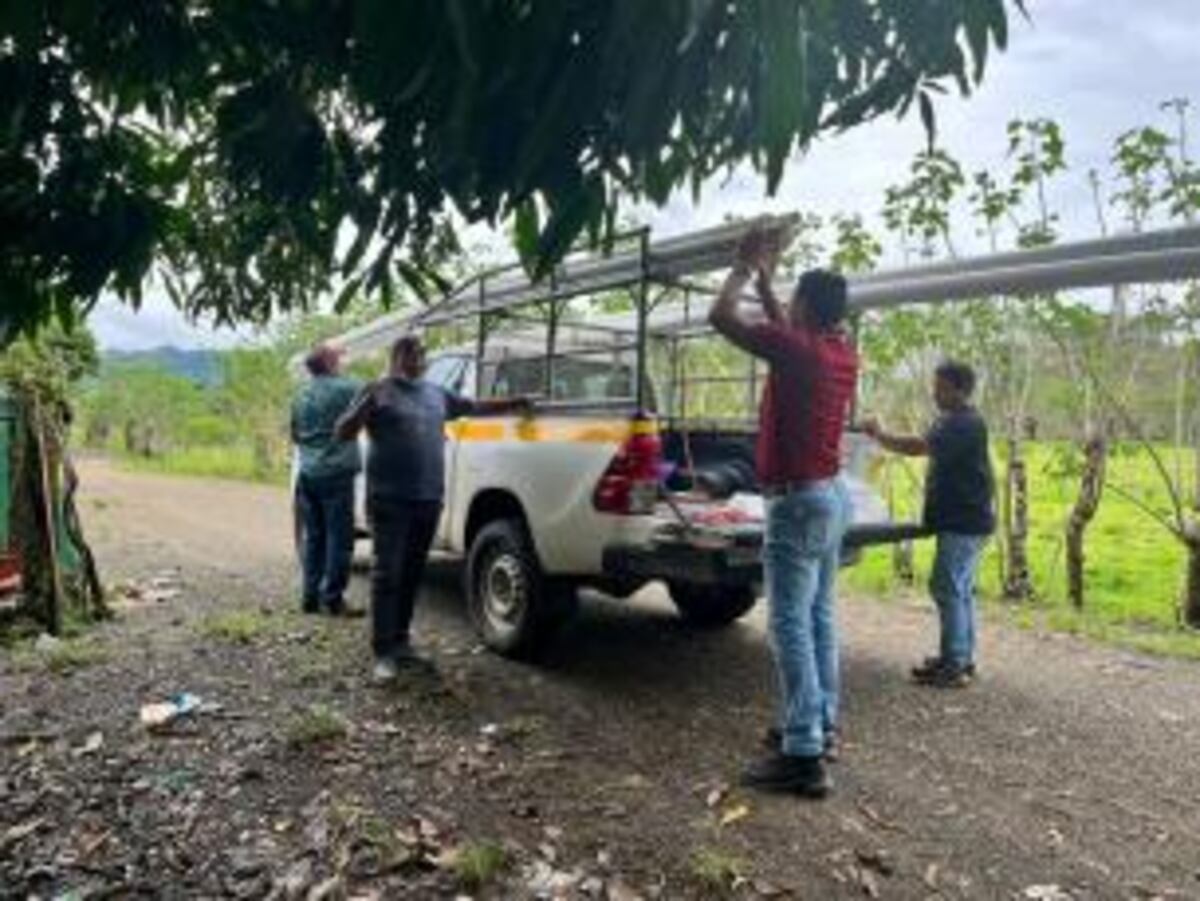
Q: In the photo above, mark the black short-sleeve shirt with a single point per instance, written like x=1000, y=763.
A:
x=959, y=485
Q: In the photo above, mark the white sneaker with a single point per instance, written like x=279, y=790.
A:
x=385, y=671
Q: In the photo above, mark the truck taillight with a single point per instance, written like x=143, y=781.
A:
x=629, y=485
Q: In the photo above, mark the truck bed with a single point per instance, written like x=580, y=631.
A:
x=711, y=520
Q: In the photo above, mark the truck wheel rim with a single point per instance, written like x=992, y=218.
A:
x=504, y=590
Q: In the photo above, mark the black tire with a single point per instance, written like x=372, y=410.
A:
x=711, y=606
x=514, y=607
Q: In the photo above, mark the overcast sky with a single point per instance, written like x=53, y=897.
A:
x=1098, y=67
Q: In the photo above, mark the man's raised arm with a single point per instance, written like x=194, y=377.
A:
x=351, y=422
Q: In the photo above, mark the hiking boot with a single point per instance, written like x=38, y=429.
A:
x=773, y=741
x=931, y=666
x=790, y=774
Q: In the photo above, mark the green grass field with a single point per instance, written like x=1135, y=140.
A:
x=226, y=462
x=1134, y=568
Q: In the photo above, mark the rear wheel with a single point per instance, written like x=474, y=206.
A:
x=710, y=606
x=514, y=607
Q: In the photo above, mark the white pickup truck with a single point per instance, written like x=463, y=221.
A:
x=589, y=492
x=628, y=471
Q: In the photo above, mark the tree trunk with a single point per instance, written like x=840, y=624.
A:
x=30, y=526
x=1196, y=464
x=1194, y=366
x=1191, y=598
x=1196, y=475
x=1016, y=523
x=1091, y=490
x=902, y=551
x=902, y=562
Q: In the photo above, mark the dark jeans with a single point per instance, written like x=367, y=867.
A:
x=327, y=512
x=403, y=532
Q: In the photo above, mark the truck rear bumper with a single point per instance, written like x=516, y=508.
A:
x=738, y=562
x=683, y=563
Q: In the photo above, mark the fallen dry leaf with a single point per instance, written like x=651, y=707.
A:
x=21, y=831
x=931, y=876
x=1046, y=893
x=716, y=796
x=734, y=814
x=93, y=743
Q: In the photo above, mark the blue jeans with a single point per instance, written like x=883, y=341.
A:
x=803, y=542
x=327, y=512
x=952, y=584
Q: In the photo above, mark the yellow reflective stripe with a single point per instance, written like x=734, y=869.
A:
x=572, y=430
x=477, y=430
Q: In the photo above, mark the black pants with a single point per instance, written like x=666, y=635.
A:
x=403, y=533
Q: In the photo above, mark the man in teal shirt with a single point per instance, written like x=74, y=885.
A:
x=325, y=481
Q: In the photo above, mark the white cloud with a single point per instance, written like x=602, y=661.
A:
x=156, y=324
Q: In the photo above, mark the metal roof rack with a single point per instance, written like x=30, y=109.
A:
x=662, y=262
x=1158, y=256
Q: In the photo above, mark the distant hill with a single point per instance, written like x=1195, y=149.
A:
x=203, y=367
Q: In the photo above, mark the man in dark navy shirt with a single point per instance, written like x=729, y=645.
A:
x=959, y=490
x=405, y=418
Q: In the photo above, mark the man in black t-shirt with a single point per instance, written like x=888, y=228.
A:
x=959, y=491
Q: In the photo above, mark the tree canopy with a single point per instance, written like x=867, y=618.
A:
x=255, y=152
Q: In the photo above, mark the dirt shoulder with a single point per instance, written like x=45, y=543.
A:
x=604, y=773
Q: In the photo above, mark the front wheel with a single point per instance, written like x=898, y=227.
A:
x=514, y=607
x=710, y=606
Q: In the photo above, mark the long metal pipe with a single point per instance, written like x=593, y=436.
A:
x=1163, y=239
x=1161, y=256
x=1171, y=264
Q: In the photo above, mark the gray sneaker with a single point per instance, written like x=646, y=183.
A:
x=385, y=671
x=406, y=657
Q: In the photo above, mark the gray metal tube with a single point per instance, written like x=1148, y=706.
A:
x=1130, y=268
x=1164, y=239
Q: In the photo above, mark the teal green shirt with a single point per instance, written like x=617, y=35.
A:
x=315, y=412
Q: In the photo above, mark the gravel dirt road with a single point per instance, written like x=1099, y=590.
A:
x=1068, y=770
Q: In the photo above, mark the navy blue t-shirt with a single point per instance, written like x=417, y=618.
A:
x=406, y=425
x=959, y=485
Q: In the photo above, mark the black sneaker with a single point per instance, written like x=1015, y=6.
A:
x=342, y=610
x=950, y=676
x=773, y=741
x=787, y=773
x=310, y=607
x=931, y=667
